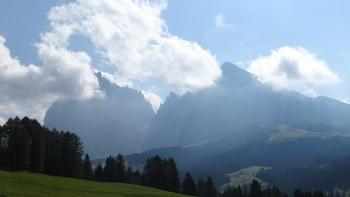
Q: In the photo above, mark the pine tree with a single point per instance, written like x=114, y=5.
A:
x=3, y=146
x=98, y=173
x=129, y=175
x=53, y=153
x=174, y=180
x=87, y=168
x=255, y=189
x=71, y=155
x=210, y=188
x=18, y=145
x=38, y=143
x=137, y=177
x=120, y=169
x=154, y=173
x=201, y=188
x=189, y=186
x=110, y=170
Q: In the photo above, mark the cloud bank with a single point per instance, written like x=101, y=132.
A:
x=293, y=68
x=129, y=35
x=132, y=36
x=30, y=89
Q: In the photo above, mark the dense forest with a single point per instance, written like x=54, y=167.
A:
x=26, y=145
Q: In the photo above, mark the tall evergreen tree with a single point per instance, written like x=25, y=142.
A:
x=3, y=146
x=37, y=137
x=137, y=177
x=210, y=188
x=98, y=173
x=154, y=173
x=189, y=187
x=129, y=175
x=201, y=188
x=173, y=174
x=17, y=155
x=110, y=170
x=71, y=155
x=87, y=168
x=53, y=153
x=255, y=189
x=120, y=168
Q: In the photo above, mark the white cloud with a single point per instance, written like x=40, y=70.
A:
x=132, y=36
x=30, y=89
x=293, y=68
x=220, y=21
x=152, y=98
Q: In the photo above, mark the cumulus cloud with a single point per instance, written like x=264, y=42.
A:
x=129, y=35
x=220, y=22
x=132, y=36
x=30, y=89
x=293, y=68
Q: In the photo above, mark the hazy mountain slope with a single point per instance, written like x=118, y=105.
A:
x=106, y=125
x=237, y=102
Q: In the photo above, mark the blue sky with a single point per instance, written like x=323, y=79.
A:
x=238, y=31
x=321, y=27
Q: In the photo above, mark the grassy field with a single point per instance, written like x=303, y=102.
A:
x=29, y=184
x=244, y=176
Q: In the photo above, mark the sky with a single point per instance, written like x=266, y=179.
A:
x=49, y=50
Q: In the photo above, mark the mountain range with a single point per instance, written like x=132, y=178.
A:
x=238, y=123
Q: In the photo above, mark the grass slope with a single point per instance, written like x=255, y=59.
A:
x=29, y=184
x=244, y=176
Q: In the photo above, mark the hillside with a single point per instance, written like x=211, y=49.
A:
x=29, y=184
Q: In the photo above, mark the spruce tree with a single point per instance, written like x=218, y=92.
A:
x=137, y=177
x=201, y=188
x=38, y=143
x=129, y=175
x=87, y=168
x=3, y=146
x=210, y=188
x=174, y=180
x=120, y=169
x=18, y=145
x=255, y=189
x=71, y=155
x=53, y=153
x=98, y=173
x=189, y=186
x=154, y=173
x=109, y=169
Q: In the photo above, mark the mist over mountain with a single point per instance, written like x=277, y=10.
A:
x=123, y=121
x=239, y=101
x=114, y=123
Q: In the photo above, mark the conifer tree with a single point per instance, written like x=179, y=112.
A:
x=53, y=153
x=87, y=168
x=98, y=173
x=17, y=155
x=120, y=169
x=173, y=174
x=129, y=175
x=201, y=188
x=189, y=186
x=210, y=188
x=255, y=189
x=110, y=170
x=38, y=143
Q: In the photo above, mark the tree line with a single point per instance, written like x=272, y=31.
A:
x=26, y=145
